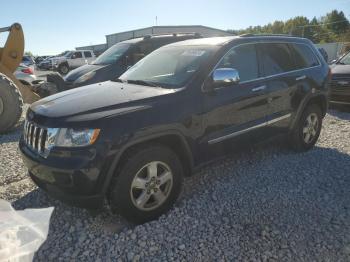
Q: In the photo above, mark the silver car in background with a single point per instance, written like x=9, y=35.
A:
x=26, y=75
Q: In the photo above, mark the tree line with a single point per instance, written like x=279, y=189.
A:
x=333, y=27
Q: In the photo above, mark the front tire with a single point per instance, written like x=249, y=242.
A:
x=147, y=184
x=63, y=69
x=306, y=132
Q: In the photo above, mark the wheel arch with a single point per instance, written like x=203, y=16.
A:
x=318, y=99
x=172, y=139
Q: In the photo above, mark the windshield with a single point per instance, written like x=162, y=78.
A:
x=345, y=60
x=111, y=55
x=168, y=66
x=68, y=54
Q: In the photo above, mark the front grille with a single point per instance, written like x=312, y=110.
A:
x=340, y=83
x=35, y=137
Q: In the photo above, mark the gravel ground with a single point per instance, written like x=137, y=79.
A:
x=264, y=204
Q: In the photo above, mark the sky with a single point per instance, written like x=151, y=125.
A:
x=51, y=27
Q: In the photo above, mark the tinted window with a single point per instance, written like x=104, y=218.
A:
x=304, y=57
x=87, y=54
x=78, y=55
x=145, y=48
x=112, y=54
x=242, y=58
x=276, y=58
x=160, y=42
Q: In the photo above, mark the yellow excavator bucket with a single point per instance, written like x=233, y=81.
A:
x=12, y=92
x=10, y=58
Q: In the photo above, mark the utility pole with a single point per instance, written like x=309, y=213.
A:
x=156, y=20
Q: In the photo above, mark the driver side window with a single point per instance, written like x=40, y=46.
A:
x=243, y=58
x=77, y=55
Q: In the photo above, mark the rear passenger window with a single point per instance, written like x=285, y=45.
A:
x=161, y=42
x=242, y=58
x=276, y=58
x=303, y=55
x=146, y=48
x=87, y=54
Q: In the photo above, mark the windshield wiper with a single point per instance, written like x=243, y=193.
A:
x=118, y=80
x=141, y=82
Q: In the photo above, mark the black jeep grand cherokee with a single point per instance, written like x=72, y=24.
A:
x=133, y=140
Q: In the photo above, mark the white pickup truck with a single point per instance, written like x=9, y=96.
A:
x=72, y=59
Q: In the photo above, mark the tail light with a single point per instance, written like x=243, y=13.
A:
x=27, y=70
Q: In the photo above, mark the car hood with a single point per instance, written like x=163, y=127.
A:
x=57, y=58
x=338, y=69
x=80, y=71
x=97, y=101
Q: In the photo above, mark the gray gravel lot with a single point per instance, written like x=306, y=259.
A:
x=264, y=204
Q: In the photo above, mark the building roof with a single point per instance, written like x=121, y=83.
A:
x=220, y=40
x=170, y=26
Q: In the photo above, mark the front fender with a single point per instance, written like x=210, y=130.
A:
x=117, y=154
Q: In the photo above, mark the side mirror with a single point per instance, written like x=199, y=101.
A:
x=225, y=77
x=221, y=77
x=333, y=61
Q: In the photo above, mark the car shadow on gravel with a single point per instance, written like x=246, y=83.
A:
x=12, y=135
x=342, y=113
x=264, y=194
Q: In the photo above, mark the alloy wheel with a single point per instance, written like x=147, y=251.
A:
x=310, y=128
x=151, y=186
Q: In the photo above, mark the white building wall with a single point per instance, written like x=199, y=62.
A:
x=204, y=31
x=333, y=49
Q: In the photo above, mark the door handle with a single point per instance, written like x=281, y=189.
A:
x=300, y=78
x=259, y=88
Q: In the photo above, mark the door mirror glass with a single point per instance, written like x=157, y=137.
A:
x=225, y=77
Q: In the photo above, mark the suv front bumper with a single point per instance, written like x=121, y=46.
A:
x=73, y=180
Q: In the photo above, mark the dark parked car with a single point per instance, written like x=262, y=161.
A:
x=132, y=140
x=340, y=84
x=45, y=64
x=27, y=60
x=117, y=59
x=323, y=53
x=39, y=59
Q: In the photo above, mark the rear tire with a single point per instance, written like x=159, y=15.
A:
x=11, y=104
x=306, y=132
x=134, y=193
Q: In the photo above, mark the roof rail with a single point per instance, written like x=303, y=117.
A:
x=252, y=35
x=173, y=34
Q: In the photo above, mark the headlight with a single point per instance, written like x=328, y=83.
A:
x=69, y=137
x=85, y=77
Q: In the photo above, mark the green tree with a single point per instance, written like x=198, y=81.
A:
x=298, y=26
x=277, y=27
x=332, y=27
x=28, y=53
x=336, y=22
